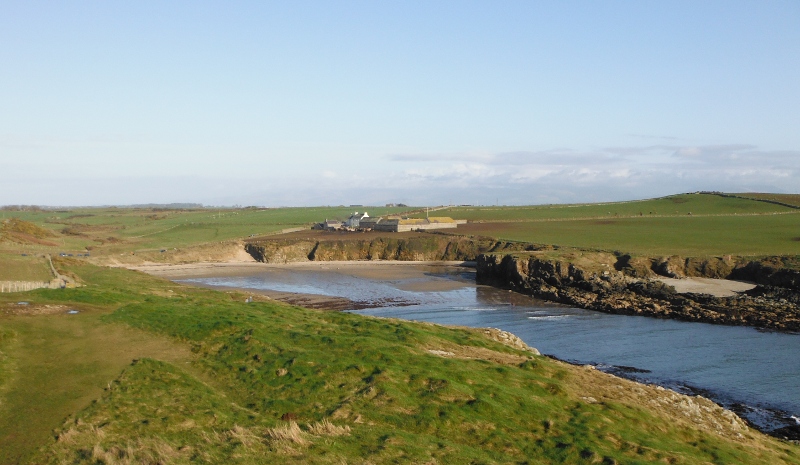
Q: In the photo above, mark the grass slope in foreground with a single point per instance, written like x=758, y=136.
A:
x=355, y=389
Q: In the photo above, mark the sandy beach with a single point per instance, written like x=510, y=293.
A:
x=380, y=270
x=715, y=287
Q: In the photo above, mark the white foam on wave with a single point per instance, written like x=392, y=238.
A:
x=796, y=420
x=475, y=309
x=549, y=317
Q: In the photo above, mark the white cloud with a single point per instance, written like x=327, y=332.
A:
x=550, y=176
x=689, y=152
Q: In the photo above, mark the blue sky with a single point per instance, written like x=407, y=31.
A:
x=430, y=102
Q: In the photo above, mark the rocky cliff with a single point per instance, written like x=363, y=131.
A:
x=622, y=285
x=425, y=247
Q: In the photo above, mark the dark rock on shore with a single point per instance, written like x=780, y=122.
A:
x=790, y=433
x=613, y=291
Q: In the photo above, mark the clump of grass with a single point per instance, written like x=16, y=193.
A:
x=288, y=433
x=326, y=428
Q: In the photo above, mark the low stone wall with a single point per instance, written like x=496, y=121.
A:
x=21, y=286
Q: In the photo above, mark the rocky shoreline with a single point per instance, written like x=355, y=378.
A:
x=602, y=281
x=596, y=282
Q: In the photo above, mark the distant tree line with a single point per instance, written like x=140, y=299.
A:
x=22, y=208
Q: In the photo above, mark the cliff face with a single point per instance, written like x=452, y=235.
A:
x=433, y=247
x=783, y=272
x=599, y=282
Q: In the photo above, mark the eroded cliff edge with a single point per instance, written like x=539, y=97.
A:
x=622, y=284
x=406, y=247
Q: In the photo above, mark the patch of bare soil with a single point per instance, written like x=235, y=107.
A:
x=33, y=309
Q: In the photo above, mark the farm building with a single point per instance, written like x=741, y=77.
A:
x=369, y=223
x=409, y=224
x=328, y=225
x=355, y=220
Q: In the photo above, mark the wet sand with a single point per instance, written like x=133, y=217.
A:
x=380, y=270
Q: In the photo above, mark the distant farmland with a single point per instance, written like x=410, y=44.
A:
x=685, y=224
x=689, y=224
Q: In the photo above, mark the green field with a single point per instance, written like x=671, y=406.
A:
x=716, y=226
x=696, y=236
x=115, y=231
x=215, y=376
x=675, y=205
x=685, y=224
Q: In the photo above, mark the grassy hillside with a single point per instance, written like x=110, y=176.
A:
x=674, y=205
x=120, y=230
x=221, y=381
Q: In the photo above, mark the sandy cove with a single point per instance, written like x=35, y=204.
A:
x=382, y=270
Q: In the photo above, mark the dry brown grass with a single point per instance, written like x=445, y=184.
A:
x=326, y=428
x=88, y=440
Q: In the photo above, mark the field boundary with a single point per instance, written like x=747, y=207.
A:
x=775, y=202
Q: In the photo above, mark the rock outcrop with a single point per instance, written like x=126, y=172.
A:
x=597, y=282
x=424, y=247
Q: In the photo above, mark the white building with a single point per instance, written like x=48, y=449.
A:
x=355, y=219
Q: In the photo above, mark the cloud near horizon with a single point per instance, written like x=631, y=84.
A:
x=512, y=178
x=647, y=170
